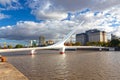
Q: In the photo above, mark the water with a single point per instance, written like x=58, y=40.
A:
x=74, y=65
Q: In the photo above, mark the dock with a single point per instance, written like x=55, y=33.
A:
x=9, y=72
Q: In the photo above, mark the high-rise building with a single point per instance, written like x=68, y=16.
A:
x=91, y=36
x=33, y=43
x=41, y=40
x=82, y=38
x=96, y=36
x=114, y=37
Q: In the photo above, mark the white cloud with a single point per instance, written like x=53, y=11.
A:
x=5, y=2
x=3, y=16
x=45, y=9
x=108, y=21
x=31, y=30
x=58, y=9
x=76, y=5
x=10, y=4
x=54, y=28
x=116, y=31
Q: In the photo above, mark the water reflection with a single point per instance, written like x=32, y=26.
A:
x=60, y=70
x=33, y=55
x=63, y=56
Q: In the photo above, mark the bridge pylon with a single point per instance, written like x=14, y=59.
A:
x=62, y=50
x=32, y=52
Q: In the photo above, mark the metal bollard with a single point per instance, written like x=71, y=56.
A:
x=3, y=59
x=0, y=57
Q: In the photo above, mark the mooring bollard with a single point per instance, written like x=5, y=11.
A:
x=0, y=58
x=3, y=59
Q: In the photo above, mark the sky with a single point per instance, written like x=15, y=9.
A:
x=24, y=20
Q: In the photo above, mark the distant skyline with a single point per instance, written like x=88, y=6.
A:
x=24, y=20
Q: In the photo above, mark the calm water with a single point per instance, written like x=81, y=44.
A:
x=74, y=65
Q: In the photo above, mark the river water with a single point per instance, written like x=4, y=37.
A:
x=73, y=65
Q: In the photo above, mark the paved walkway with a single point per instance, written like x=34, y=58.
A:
x=9, y=72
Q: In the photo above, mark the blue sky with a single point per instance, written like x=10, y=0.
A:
x=24, y=15
x=24, y=20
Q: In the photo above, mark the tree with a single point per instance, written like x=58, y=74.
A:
x=97, y=44
x=0, y=47
x=77, y=44
x=114, y=43
x=19, y=46
x=68, y=44
x=10, y=46
x=34, y=44
x=90, y=43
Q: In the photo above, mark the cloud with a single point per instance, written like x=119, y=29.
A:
x=58, y=9
x=76, y=5
x=31, y=30
x=107, y=19
x=44, y=9
x=10, y=4
x=3, y=16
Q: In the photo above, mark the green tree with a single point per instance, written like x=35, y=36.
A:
x=97, y=44
x=0, y=47
x=106, y=44
x=77, y=44
x=115, y=43
x=34, y=45
x=119, y=45
x=19, y=46
x=10, y=46
x=91, y=43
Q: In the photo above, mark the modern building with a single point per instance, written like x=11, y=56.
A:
x=42, y=41
x=82, y=38
x=93, y=35
x=96, y=36
x=114, y=37
x=49, y=42
x=33, y=42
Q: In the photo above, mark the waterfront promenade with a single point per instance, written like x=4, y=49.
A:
x=9, y=72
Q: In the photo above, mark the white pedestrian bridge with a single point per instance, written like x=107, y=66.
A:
x=59, y=45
